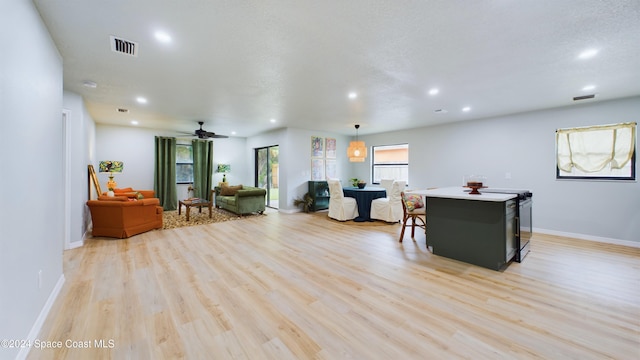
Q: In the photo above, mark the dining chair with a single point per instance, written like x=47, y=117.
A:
x=418, y=215
x=340, y=208
x=389, y=209
x=387, y=184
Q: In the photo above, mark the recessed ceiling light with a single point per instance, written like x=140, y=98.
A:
x=273, y=120
x=233, y=133
x=90, y=84
x=162, y=37
x=434, y=91
x=589, y=53
x=134, y=122
x=588, y=88
x=466, y=109
x=141, y=100
x=353, y=95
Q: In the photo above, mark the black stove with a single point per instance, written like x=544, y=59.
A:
x=522, y=194
x=523, y=219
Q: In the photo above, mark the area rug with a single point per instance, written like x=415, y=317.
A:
x=172, y=220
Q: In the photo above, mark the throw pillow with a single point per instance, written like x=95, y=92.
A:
x=123, y=190
x=413, y=202
x=229, y=190
x=112, y=198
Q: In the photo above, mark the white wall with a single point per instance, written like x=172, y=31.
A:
x=31, y=182
x=81, y=146
x=295, y=160
x=135, y=147
x=524, y=146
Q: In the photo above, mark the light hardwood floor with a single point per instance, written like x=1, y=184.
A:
x=300, y=286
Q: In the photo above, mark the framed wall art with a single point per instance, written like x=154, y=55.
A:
x=317, y=169
x=330, y=148
x=331, y=168
x=317, y=147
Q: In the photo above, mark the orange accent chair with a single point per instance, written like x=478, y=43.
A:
x=123, y=217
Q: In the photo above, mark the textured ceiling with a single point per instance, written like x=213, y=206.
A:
x=238, y=64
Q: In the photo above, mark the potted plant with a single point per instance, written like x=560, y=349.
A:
x=354, y=182
x=305, y=202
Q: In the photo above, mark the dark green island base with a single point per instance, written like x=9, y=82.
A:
x=479, y=230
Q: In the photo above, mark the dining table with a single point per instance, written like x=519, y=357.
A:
x=363, y=198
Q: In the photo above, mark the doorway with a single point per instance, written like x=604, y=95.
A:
x=267, y=172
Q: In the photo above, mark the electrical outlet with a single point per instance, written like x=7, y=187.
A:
x=40, y=279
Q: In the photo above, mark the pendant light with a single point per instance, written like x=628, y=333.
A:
x=357, y=150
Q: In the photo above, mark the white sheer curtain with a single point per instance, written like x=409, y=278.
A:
x=591, y=149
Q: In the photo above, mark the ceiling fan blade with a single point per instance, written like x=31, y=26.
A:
x=203, y=134
x=210, y=134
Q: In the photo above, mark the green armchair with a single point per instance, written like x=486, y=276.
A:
x=240, y=199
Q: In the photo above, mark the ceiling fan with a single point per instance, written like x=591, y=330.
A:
x=203, y=134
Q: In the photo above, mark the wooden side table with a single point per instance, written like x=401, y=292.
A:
x=199, y=203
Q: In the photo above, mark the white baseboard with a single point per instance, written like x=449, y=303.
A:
x=289, y=211
x=75, y=244
x=37, y=326
x=295, y=211
x=605, y=240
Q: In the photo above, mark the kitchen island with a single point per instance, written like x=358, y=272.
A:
x=477, y=229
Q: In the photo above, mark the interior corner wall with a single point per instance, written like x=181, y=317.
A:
x=518, y=151
x=231, y=151
x=31, y=182
x=81, y=147
x=89, y=157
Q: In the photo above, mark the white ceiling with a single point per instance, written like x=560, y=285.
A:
x=238, y=64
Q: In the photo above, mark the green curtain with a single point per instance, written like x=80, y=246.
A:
x=202, y=167
x=164, y=174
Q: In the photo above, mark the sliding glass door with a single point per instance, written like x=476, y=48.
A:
x=266, y=171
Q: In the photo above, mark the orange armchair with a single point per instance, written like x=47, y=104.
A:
x=121, y=217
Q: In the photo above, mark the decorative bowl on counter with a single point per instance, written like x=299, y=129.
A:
x=474, y=182
x=361, y=185
x=474, y=186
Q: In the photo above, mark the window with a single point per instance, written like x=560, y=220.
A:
x=391, y=162
x=184, y=164
x=605, y=152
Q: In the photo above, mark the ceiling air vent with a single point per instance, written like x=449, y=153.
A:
x=122, y=110
x=584, y=97
x=123, y=46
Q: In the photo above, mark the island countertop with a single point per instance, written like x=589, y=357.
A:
x=459, y=192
